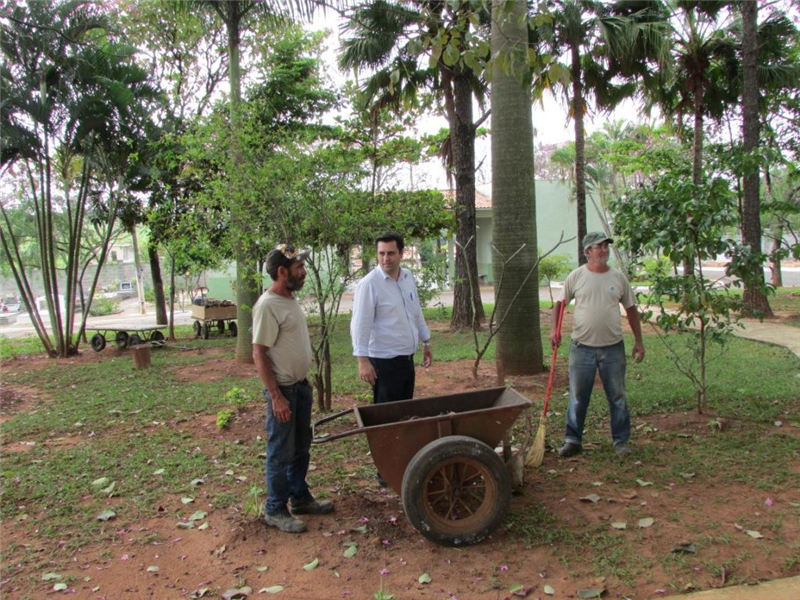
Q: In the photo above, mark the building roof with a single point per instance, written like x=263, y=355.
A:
x=482, y=201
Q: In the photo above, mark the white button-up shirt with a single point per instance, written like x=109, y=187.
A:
x=387, y=317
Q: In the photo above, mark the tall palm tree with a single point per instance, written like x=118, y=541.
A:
x=606, y=47
x=769, y=69
x=702, y=75
x=754, y=298
x=519, y=345
x=385, y=38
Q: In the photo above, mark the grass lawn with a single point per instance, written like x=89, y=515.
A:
x=88, y=435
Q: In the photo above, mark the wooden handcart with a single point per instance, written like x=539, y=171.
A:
x=212, y=315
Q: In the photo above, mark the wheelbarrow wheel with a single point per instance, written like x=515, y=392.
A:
x=198, y=328
x=134, y=340
x=121, y=339
x=206, y=330
x=98, y=342
x=232, y=328
x=456, y=491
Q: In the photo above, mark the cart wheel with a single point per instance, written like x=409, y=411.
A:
x=121, y=339
x=134, y=340
x=206, y=330
x=157, y=337
x=198, y=328
x=221, y=326
x=456, y=491
x=98, y=342
x=232, y=328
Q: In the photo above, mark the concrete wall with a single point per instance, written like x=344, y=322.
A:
x=111, y=275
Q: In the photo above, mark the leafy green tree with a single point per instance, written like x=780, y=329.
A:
x=552, y=267
x=180, y=48
x=68, y=86
x=686, y=223
x=238, y=16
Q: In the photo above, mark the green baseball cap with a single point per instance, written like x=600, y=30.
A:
x=595, y=237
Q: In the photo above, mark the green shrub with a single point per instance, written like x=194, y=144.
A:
x=224, y=417
x=104, y=306
x=237, y=396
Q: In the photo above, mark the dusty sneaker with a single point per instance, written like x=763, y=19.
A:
x=285, y=522
x=313, y=507
x=569, y=449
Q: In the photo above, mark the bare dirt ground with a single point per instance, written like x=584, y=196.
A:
x=153, y=559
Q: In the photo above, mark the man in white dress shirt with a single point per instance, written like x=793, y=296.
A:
x=388, y=326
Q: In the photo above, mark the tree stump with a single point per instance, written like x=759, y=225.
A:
x=141, y=356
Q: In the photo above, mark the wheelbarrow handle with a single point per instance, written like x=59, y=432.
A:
x=336, y=436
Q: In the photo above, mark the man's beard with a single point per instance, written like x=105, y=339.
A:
x=294, y=283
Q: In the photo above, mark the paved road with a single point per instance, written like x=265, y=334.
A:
x=779, y=589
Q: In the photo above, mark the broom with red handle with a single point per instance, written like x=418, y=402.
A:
x=536, y=454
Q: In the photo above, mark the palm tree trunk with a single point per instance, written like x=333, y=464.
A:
x=158, y=284
x=519, y=342
x=580, y=148
x=246, y=289
x=462, y=137
x=172, y=298
x=755, y=301
x=697, y=144
x=139, y=278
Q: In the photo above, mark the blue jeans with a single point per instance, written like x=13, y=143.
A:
x=584, y=362
x=288, y=449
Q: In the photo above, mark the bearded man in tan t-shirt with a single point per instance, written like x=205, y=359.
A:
x=282, y=354
x=597, y=345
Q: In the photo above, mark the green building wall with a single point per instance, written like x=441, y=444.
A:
x=555, y=212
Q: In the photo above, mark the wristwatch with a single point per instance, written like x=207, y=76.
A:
x=426, y=343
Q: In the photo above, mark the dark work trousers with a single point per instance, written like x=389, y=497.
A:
x=395, y=378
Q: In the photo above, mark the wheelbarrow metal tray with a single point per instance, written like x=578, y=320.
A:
x=396, y=431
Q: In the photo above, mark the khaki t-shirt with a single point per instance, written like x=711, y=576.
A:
x=597, y=320
x=280, y=325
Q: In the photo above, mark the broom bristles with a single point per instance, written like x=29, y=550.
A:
x=536, y=454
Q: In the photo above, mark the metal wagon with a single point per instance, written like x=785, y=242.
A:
x=138, y=334
x=438, y=454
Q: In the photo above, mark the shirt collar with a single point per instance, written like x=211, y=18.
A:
x=403, y=273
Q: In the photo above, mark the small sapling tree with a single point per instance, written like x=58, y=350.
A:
x=688, y=224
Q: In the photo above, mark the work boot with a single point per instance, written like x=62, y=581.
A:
x=622, y=449
x=285, y=522
x=569, y=449
x=312, y=507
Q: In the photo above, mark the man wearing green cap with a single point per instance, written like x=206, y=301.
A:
x=597, y=345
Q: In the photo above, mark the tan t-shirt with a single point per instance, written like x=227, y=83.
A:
x=597, y=321
x=280, y=325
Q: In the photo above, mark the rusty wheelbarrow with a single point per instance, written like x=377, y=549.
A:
x=438, y=454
